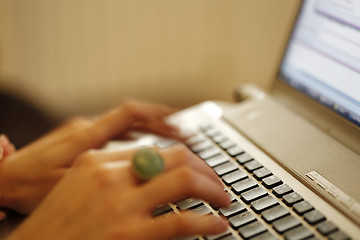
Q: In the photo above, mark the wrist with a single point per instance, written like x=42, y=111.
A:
x=6, y=149
x=15, y=187
x=6, y=197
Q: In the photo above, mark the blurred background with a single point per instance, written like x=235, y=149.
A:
x=71, y=57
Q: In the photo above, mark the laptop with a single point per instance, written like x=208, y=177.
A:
x=290, y=157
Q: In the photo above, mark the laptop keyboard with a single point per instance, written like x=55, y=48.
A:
x=263, y=206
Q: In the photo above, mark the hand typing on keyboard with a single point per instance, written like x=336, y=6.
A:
x=73, y=193
x=30, y=173
x=99, y=198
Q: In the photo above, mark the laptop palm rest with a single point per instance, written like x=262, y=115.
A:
x=302, y=149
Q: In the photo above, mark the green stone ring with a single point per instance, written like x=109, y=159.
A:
x=147, y=163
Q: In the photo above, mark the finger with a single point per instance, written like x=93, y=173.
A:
x=185, y=224
x=179, y=155
x=174, y=157
x=158, y=127
x=120, y=119
x=107, y=174
x=156, y=110
x=181, y=183
x=110, y=156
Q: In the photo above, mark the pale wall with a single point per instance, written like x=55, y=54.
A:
x=80, y=56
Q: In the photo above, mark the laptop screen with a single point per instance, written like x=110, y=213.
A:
x=323, y=56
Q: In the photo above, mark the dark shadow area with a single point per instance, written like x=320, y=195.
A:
x=12, y=221
x=21, y=121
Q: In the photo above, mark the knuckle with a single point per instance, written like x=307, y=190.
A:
x=129, y=105
x=179, y=148
x=78, y=122
x=128, y=108
x=129, y=102
x=85, y=159
x=187, y=177
x=104, y=176
x=77, y=130
x=181, y=153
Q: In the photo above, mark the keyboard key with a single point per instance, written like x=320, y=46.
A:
x=286, y=223
x=292, y=198
x=232, y=198
x=303, y=207
x=225, y=168
x=218, y=236
x=282, y=190
x=196, y=139
x=234, y=151
x=166, y=143
x=187, y=238
x=168, y=214
x=208, y=153
x=274, y=213
x=244, y=158
x=233, y=177
x=201, y=146
x=219, y=139
x=253, y=194
x=217, y=160
x=231, y=237
x=271, y=181
x=202, y=210
x=188, y=203
x=262, y=173
x=313, y=217
x=252, y=165
x=241, y=219
x=205, y=127
x=161, y=209
x=243, y=185
x=212, y=132
x=298, y=233
x=264, y=203
x=227, y=144
x=233, y=209
x=338, y=235
x=264, y=236
x=252, y=229
x=325, y=228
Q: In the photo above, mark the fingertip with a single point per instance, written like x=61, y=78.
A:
x=219, y=182
x=223, y=196
x=227, y=200
x=219, y=224
x=224, y=201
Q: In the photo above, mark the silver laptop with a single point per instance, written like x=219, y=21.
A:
x=289, y=158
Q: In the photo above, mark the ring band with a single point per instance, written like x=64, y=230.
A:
x=147, y=163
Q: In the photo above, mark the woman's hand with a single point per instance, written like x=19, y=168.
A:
x=99, y=198
x=29, y=174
